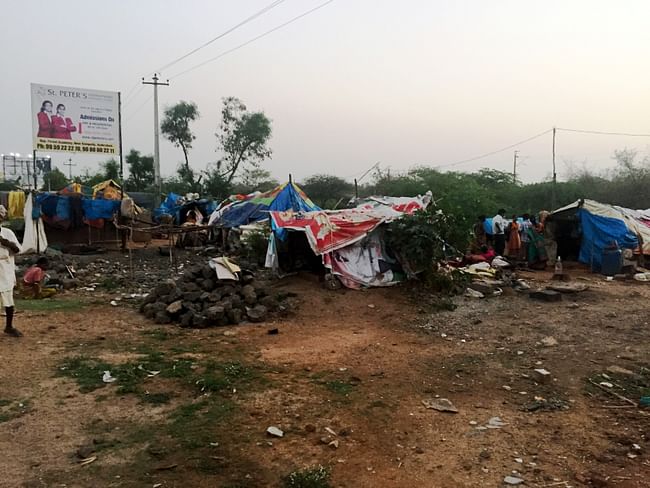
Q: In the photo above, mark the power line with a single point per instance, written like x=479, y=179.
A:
x=495, y=152
x=225, y=33
x=603, y=133
x=304, y=14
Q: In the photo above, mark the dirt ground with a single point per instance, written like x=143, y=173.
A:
x=344, y=378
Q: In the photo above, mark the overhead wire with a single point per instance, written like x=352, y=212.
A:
x=603, y=133
x=257, y=14
x=256, y=38
x=491, y=153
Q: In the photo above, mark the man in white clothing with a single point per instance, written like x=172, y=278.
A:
x=499, y=225
x=9, y=246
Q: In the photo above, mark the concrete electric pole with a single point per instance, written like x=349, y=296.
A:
x=156, y=135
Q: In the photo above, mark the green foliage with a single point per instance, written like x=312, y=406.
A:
x=141, y=171
x=254, y=179
x=176, y=126
x=242, y=137
x=425, y=238
x=55, y=180
x=314, y=477
x=328, y=191
x=215, y=184
x=255, y=246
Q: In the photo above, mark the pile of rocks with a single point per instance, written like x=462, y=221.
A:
x=199, y=299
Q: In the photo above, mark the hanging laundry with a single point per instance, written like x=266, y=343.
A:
x=16, y=204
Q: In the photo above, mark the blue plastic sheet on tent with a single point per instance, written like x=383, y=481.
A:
x=600, y=232
x=169, y=207
x=100, y=209
x=255, y=210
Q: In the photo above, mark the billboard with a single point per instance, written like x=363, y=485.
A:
x=75, y=120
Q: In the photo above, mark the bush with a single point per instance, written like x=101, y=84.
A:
x=254, y=246
x=314, y=477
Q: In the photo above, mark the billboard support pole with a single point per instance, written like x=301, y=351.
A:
x=34, y=167
x=119, y=122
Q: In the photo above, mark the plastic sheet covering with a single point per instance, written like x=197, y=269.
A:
x=34, y=239
x=100, y=209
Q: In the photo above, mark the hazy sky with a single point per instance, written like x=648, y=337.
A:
x=402, y=82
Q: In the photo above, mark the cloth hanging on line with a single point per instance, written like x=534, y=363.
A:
x=16, y=204
x=34, y=239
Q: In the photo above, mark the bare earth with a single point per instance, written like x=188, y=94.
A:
x=359, y=363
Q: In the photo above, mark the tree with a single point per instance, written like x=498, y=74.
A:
x=254, y=179
x=243, y=137
x=110, y=170
x=327, y=190
x=176, y=127
x=141, y=172
x=55, y=180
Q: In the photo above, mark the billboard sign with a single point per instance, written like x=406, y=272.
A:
x=75, y=120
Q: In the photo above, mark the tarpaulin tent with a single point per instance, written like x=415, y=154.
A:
x=350, y=240
x=601, y=225
x=178, y=206
x=239, y=210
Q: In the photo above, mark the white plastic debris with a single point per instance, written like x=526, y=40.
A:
x=107, y=378
x=275, y=432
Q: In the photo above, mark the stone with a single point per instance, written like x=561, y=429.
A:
x=215, y=313
x=234, y=316
x=191, y=286
x=542, y=375
x=512, y=480
x=162, y=318
x=208, y=285
x=70, y=283
x=163, y=288
x=549, y=341
x=226, y=303
x=546, y=295
x=228, y=290
x=200, y=321
x=205, y=297
x=186, y=319
x=85, y=451
x=207, y=272
x=214, y=297
x=310, y=428
x=275, y=432
x=619, y=370
x=250, y=298
x=257, y=313
x=192, y=296
x=269, y=302
x=247, y=290
x=175, y=307
x=440, y=404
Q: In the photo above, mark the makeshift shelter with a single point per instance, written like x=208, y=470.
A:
x=590, y=227
x=240, y=210
x=178, y=207
x=350, y=241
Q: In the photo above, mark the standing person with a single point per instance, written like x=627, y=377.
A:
x=62, y=126
x=45, y=127
x=480, y=235
x=537, y=257
x=525, y=239
x=499, y=225
x=514, y=240
x=9, y=246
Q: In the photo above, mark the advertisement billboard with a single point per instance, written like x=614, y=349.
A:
x=75, y=120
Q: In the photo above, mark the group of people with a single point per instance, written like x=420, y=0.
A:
x=54, y=126
x=520, y=238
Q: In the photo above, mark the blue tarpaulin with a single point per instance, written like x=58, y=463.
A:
x=598, y=233
x=284, y=197
x=100, y=209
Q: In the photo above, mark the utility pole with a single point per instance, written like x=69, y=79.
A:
x=156, y=135
x=514, y=168
x=554, y=194
x=69, y=164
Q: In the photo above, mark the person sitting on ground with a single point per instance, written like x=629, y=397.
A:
x=486, y=255
x=34, y=279
x=480, y=235
x=9, y=246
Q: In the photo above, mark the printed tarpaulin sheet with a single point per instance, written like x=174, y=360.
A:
x=328, y=230
x=239, y=210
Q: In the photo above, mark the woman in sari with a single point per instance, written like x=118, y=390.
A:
x=536, y=250
x=514, y=240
